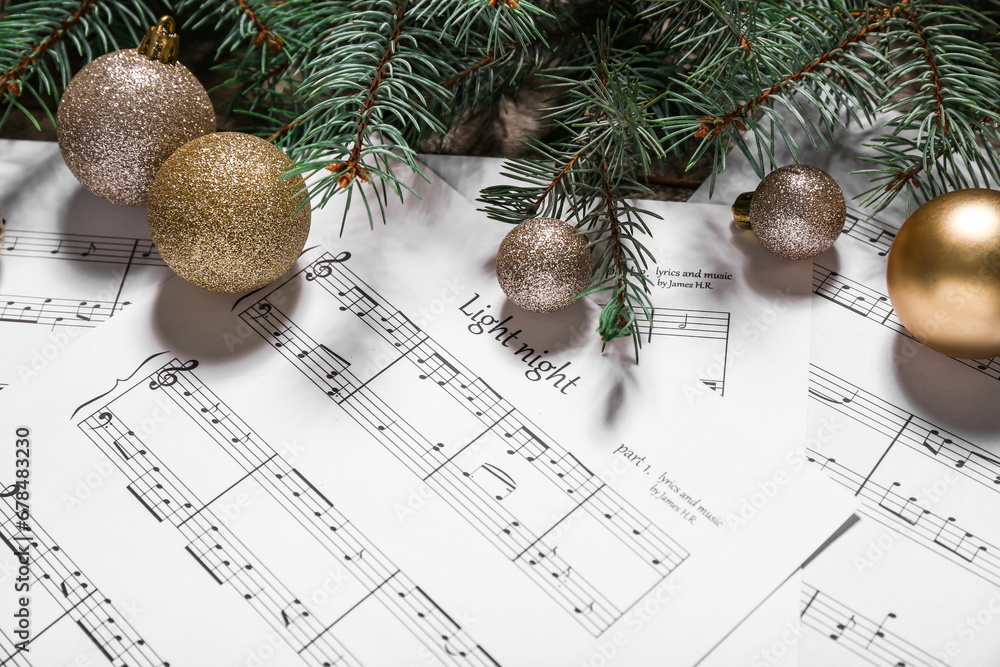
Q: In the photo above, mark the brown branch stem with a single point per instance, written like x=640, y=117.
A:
x=351, y=168
x=9, y=82
x=264, y=34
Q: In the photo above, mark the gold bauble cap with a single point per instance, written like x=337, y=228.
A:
x=161, y=42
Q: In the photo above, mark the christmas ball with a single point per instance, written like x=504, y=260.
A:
x=124, y=114
x=543, y=264
x=943, y=273
x=223, y=218
x=797, y=211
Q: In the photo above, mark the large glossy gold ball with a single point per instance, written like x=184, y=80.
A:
x=543, y=264
x=223, y=218
x=122, y=116
x=944, y=273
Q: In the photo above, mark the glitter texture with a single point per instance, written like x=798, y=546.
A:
x=223, y=218
x=122, y=116
x=798, y=211
x=543, y=264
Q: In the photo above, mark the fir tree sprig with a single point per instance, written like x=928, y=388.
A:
x=39, y=39
x=944, y=99
x=589, y=176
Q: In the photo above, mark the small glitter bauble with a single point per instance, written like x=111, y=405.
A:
x=797, y=211
x=543, y=264
x=122, y=116
x=943, y=273
x=223, y=218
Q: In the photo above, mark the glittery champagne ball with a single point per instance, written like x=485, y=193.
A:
x=122, y=116
x=543, y=264
x=943, y=273
x=223, y=218
x=797, y=211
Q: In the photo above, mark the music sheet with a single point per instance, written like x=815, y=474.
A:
x=770, y=634
x=363, y=464
x=915, y=436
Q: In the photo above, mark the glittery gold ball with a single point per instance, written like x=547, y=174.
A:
x=122, y=116
x=797, y=211
x=943, y=273
x=223, y=218
x=543, y=264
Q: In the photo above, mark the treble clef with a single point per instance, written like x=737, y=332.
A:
x=168, y=376
x=321, y=268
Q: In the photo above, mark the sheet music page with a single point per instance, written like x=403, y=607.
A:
x=770, y=634
x=340, y=469
x=915, y=436
x=69, y=260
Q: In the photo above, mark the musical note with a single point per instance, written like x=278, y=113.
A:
x=166, y=377
x=155, y=497
x=542, y=555
x=358, y=556
x=399, y=320
x=311, y=491
x=90, y=315
x=72, y=584
x=338, y=362
x=684, y=324
x=880, y=633
x=493, y=480
x=91, y=248
x=368, y=304
x=584, y=610
x=124, y=453
x=828, y=399
x=211, y=410
x=484, y=397
x=569, y=467
x=929, y=437
x=843, y=627
x=908, y=511
x=52, y=252
x=531, y=446
x=210, y=556
x=964, y=546
x=438, y=369
x=293, y=612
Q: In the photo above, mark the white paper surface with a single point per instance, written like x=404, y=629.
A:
x=770, y=634
x=916, y=436
x=69, y=260
x=426, y=563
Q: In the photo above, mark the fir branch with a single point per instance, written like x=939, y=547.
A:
x=943, y=134
x=35, y=42
x=368, y=82
x=714, y=125
x=352, y=168
x=264, y=34
x=9, y=82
